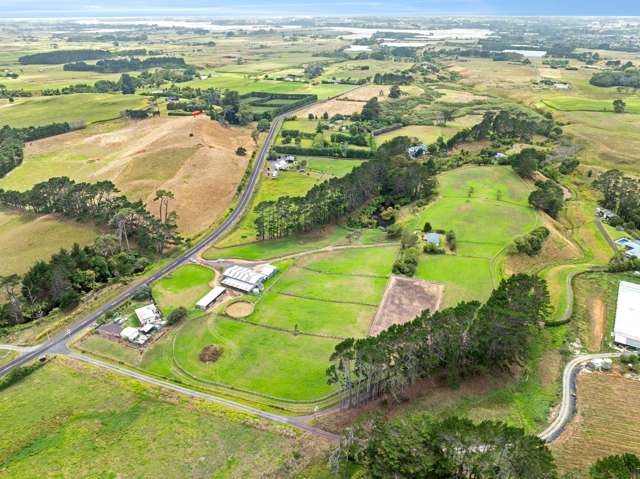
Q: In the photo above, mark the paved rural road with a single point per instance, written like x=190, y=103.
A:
x=58, y=342
x=568, y=405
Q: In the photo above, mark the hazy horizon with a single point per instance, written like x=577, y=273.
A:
x=276, y=8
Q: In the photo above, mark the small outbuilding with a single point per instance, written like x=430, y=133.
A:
x=432, y=238
x=130, y=334
x=211, y=297
x=627, y=325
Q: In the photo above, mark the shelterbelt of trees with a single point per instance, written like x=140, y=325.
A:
x=390, y=175
x=126, y=65
x=423, y=446
x=62, y=280
x=56, y=57
x=455, y=342
x=12, y=142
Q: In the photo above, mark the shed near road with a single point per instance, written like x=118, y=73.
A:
x=210, y=298
x=627, y=327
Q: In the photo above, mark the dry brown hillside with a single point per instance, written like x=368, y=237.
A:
x=193, y=157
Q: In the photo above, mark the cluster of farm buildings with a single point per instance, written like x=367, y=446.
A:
x=239, y=278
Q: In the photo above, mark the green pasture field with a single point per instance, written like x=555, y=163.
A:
x=331, y=236
x=244, y=83
x=274, y=62
x=183, y=287
x=354, y=69
x=589, y=104
x=87, y=107
x=608, y=140
x=302, y=124
x=40, y=77
x=280, y=364
x=430, y=133
x=330, y=166
x=81, y=422
x=333, y=293
x=465, y=278
x=484, y=226
x=25, y=239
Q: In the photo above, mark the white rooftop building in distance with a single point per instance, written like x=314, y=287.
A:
x=148, y=314
x=210, y=298
x=627, y=326
x=130, y=334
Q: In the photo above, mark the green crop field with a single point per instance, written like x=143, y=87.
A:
x=487, y=209
x=183, y=287
x=87, y=107
x=72, y=420
x=588, y=104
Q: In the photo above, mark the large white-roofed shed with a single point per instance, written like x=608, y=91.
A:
x=627, y=326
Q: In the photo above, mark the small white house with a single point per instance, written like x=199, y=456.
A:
x=627, y=326
x=148, y=314
x=211, y=297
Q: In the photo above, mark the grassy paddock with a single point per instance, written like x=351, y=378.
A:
x=184, y=287
x=571, y=103
x=87, y=107
x=487, y=209
x=80, y=422
x=25, y=239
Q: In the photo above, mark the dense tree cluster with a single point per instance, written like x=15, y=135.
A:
x=531, y=244
x=623, y=466
x=453, y=448
x=390, y=176
x=98, y=202
x=455, y=342
x=392, y=78
x=548, y=197
x=56, y=57
x=620, y=194
x=526, y=162
x=11, y=150
x=126, y=65
x=625, y=78
x=514, y=124
x=62, y=280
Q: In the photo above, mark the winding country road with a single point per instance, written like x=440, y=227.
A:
x=568, y=404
